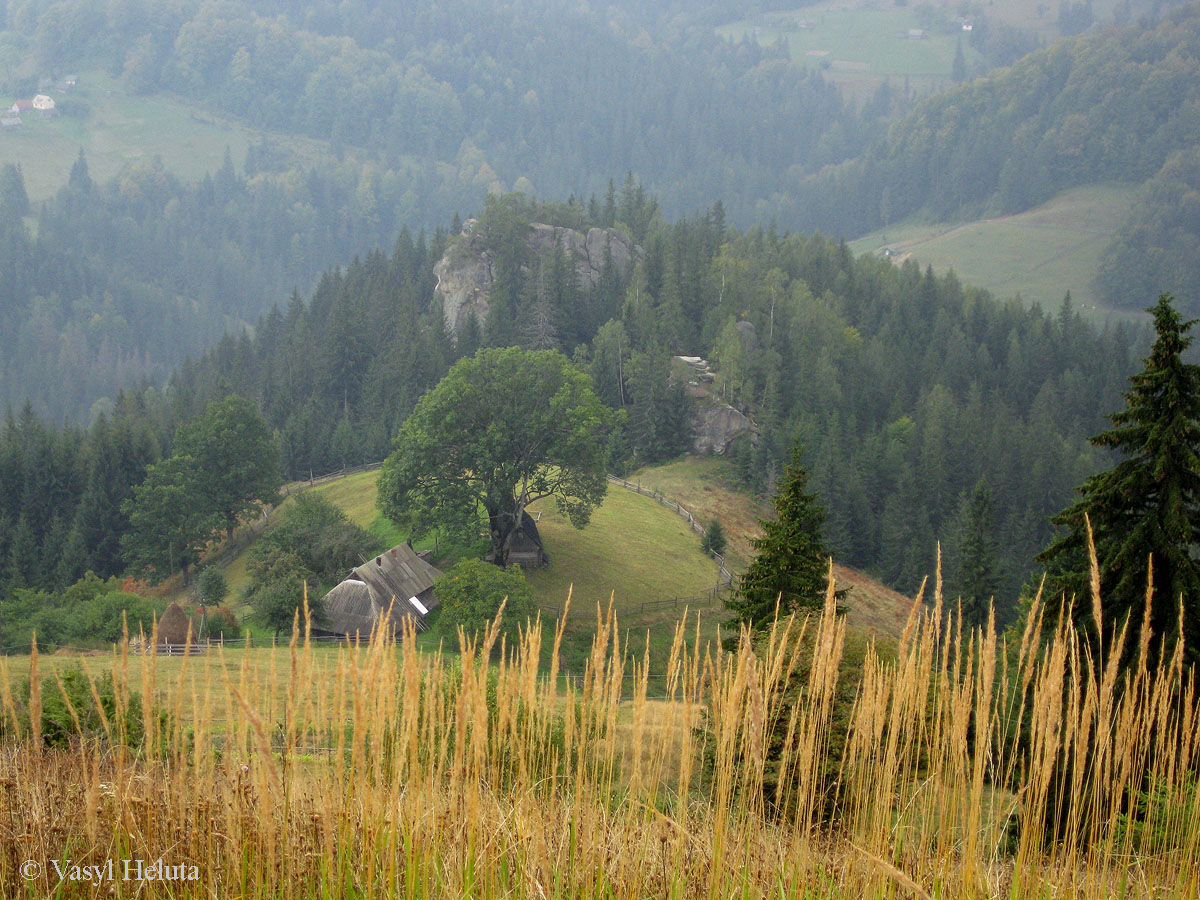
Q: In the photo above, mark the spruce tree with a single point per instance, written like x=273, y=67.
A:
x=791, y=565
x=1146, y=507
x=958, y=68
x=977, y=576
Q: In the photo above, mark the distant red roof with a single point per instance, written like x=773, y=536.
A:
x=23, y=105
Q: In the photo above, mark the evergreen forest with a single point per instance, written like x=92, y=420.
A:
x=906, y=392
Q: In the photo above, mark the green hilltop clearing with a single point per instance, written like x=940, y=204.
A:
x=116, y=128
x=1039, y=254
x=858, y=47
x=634, y=550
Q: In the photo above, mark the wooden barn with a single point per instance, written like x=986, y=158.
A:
x=397, y=580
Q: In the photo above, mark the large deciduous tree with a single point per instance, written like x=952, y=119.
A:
x=237, y=461
x=504, y=428
x=1145, y=508
x=225, y=464
x=169, y=522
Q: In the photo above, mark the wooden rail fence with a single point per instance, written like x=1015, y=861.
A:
x=726, y=577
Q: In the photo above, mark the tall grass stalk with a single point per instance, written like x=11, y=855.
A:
x=968, y=767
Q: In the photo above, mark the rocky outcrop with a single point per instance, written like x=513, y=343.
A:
x=466, y=271
x=715, y=423
x=714, y=427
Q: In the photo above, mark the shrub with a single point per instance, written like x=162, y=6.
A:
x=471, y=593
x=60, y=727
x=318, y=533
x=212, y=586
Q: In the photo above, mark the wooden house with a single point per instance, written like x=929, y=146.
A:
x=380, y=593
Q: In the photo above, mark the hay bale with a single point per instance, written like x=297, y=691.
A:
x=173, y=626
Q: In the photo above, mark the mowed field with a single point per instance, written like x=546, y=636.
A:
x=116, y=128
x=1040, y=254
x=860, y=45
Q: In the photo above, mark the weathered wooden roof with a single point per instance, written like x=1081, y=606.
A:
x=383, y=582
x=527, y=536
x=349, y=609
x=397, y=574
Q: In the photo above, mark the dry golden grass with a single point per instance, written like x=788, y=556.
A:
x=383, y=772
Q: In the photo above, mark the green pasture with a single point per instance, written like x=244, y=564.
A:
x=859, y=45
x=634, y=550
x=1039, y=254
x=116, y=129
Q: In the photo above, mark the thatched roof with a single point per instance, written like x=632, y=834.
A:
x=173, y=626
x=525, y=544
x=350, y=610
x=527, y=536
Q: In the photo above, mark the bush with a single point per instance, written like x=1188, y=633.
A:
x=1158, y=820
x=90, y=612
x=212, y=586
x=318, y=533
x=60, y=728
x=471, y=592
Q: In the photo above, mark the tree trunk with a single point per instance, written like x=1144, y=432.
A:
x=501, y=526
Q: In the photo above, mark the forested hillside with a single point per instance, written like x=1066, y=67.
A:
x=533, y=95
x=120, y=282
x=110, y=283
x=910, y=394
x=1114, y=106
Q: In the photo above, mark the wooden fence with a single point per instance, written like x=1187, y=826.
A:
x=726, y=577
x=194, y=648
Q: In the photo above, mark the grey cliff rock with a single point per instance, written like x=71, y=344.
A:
x=466, y=271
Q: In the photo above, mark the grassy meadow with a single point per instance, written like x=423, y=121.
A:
x=116, y=128
x=1040, y=254
x=964, y=765
x=633, y=551
x=857, y=45
x=705, y=485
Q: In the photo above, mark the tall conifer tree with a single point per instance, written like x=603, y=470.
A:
x=1147, y=507
x=792, y=565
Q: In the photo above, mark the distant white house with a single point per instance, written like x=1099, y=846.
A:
x=43, y=102
x=21, y=106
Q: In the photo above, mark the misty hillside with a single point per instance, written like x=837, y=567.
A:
x=1118, y=105
x=460, y=98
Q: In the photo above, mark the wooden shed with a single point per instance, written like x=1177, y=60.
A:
x=397, y=580
x=525, y=546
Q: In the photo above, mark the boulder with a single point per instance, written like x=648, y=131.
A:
x=714, y=427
